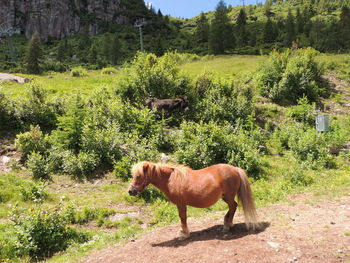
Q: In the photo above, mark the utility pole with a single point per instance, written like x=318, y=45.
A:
x=139, y=24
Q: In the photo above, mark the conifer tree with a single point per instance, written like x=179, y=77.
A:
x=269, y=32
x=106, y=46
x=33, y=55
x=221, y=33
x=62, y=50
x=241, y=34
x=344, y=27
x=202, y=29
x=158, y=46
x=290, y=28
x=299, y=22
x=115, y=50
x=92, y=56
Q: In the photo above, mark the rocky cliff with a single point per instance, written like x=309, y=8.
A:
x=62, y=18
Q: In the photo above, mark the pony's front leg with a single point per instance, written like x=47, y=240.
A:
x=184, y=233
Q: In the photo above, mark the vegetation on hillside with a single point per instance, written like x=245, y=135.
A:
x=78, y=133
x=253, y=29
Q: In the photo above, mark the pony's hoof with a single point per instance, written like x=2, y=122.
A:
x=183, y=236
x=226, y=229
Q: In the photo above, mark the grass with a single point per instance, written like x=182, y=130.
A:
x=60, y=84
x=225, y=65
x=96, y=201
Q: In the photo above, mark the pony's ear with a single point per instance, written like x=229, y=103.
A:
x=145, y=168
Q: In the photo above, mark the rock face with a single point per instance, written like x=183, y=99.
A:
x=62, y=18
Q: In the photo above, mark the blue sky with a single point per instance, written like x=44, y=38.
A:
x=191, y=8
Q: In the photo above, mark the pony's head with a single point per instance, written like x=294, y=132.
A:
x=140, y=177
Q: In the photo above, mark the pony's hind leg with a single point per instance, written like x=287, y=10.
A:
x=184, y=233
x=228, y=220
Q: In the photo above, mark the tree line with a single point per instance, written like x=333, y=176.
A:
x=312, y=23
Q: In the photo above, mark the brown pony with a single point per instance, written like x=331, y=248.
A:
x=198, y=188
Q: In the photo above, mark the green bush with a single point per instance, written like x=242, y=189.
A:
x=68, y=133
x=309, y=148
x=36, y=109
x=203, y=144
x=34, y=192
x=78, y=72
x=38, y=166
x=7, y=114
x=108, y=71
x=32, y=141
x=122, y=168
x=148, y=76
x=303, y=112
x=270, y=73
x=82, y=165
x=40, y=234
x=223, y=100
x=287, y=77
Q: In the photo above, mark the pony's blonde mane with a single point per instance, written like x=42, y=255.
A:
x=180, y=170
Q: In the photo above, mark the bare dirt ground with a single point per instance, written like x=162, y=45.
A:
x=307, y=231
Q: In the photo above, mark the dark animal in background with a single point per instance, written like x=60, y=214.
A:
x=167, y=105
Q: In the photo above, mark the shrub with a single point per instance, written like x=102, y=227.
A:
x=34, y=192
x=122, y=168
x=303, y=112
x=78, y=72
x=311, y=149
x=82, y=165
x=32, y=141
x=7, y=113
x=287, y=77
x=148, y=76
x=38, y=166
x=55, y=66
x=108, y=71
x=200, y=145
x=223, y=100
x=69, y=127
x=41, y=234
x=270, y=73
x=37, y=110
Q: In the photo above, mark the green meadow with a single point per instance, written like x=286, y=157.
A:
x=99, y=212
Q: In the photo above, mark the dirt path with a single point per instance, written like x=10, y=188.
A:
x=305, y=232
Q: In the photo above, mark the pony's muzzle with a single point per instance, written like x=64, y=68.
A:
x=132, y=192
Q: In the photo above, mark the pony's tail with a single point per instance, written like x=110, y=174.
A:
x=246, y=199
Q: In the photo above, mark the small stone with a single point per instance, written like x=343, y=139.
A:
x=273, y=244
x=332, y=223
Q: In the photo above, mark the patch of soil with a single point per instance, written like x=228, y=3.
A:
x=304, y=232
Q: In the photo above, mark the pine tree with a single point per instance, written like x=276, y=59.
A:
x=221, y=33
x=62, y=50
x=33, y=55
x=241, y=34
x=267, y=8
x=202, y=29
x=299, y=22
x=252, y=39
x=269, y=32
x=344, y=27
x=115, y=50
x=106, y=46
x=92, y=56
x=290, y=28
x=158, y=46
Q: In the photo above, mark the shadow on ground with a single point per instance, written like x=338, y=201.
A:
x=214, y=233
